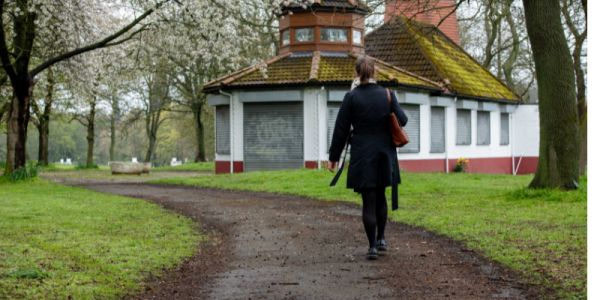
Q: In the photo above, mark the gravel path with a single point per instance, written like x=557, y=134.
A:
x=265, y=246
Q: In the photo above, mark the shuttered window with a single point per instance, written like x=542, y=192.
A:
x=273, y=136
x=483, y=128
x=438, y=130
x=332, y=111
x=463, y=127
x=412, y=128
x=223, y=129
x=504, y=129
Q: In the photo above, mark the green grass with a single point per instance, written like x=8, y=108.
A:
x=539, y=233
x=54, y=167
x=195, y=167
x=60, y=242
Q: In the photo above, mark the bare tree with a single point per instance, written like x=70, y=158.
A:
x=577, y=27
x=41, y=118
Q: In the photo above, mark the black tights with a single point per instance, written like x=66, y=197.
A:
x=374, y=213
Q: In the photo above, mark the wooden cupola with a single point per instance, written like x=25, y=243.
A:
x=325, y=25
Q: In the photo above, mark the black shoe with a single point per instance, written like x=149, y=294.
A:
x=381, y=245
x=372, y=254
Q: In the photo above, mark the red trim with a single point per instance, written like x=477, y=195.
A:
x=528, y=164
x=311, y=164
x=492, y=165
x=223, y=167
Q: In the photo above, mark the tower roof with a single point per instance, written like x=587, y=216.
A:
x=426, y=51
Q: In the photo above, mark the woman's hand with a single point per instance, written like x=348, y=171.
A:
x=332, y=166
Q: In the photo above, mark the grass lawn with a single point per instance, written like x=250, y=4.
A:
x=195, y=167
x=60, y=242
x=540, y=233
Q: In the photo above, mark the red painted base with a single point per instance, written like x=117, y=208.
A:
x=311, y=164
x=491, y=165
x=223, y=167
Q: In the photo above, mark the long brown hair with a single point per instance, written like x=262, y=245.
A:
x=365, y=68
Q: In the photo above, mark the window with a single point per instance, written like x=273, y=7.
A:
x=357, y=37
x=332, y=112
x=483, y=128
x=438, y=130
x=463, y=127
x=337, y=35
x=285, y=37
x=504, y=129
x=222, y=129
x=304, y=35
x=413, y=112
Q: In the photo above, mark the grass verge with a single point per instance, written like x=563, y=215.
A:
x=192, y=167
x=62, y=242
x=539, y=233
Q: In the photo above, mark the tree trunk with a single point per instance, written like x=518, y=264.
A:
x=18, y=119
x=201, y=150
x=558, y=164
x=581, y=108
x=152, y=125
x=90, y=135
x=44, y=132
x=44, y=121
x=113, y=124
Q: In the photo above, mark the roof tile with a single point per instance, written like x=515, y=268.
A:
x=424, y=50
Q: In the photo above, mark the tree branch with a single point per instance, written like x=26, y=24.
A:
x=100, y=44
x=6, y=64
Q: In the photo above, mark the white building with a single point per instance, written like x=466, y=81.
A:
x=455, y=107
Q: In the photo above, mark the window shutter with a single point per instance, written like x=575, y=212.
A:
x=223, y=129
x=483, y=128
x=332, y=112
x=412, y=128
x=504, y=129
x=438, y=130
x=463, y=127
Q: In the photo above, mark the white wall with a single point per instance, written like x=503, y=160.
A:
x=237, y=129
x=526, y=130
x=312, y=127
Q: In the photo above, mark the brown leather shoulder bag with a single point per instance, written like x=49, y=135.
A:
x=399, y=135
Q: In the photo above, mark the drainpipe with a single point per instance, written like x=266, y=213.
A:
x=231, y=128
x=512, y=142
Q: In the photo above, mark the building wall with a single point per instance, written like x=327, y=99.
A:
x=519, y=155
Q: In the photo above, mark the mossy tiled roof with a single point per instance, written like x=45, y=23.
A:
x=424, y=50
x=316, y=68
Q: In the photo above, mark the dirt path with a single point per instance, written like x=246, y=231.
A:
x=281, y=247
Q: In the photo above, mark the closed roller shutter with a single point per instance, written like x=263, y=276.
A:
x=504, y=129
x=463, y=127
x=273, y=136
x=332, y=112
x=438, y=130
x=222, y=128
x=483, y=128
x=412, y=128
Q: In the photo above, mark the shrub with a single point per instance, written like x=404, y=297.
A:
x=86, y=167
x=30, y=170
x=461, y=165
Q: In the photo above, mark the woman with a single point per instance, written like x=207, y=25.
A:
x=373, y=164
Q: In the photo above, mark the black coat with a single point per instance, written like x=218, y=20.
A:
x=373, y=158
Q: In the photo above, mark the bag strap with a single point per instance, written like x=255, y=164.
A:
x=394, y=186
x=339, y=172
x=389, y=97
